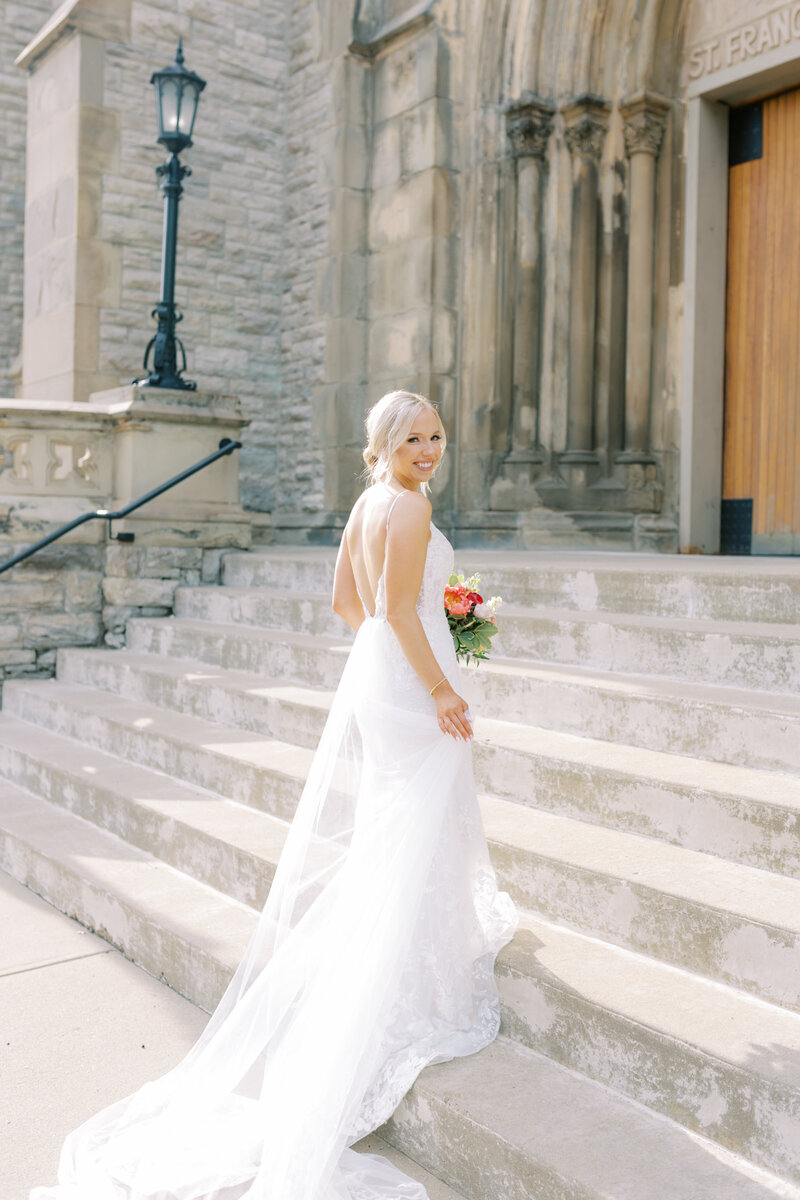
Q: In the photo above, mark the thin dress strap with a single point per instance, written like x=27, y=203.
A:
x=391, y=506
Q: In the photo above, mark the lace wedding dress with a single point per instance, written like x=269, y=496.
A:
x=373, y=957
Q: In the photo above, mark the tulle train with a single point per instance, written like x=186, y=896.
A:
x=373, y=957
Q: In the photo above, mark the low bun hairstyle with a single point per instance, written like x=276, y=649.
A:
x=388, y=424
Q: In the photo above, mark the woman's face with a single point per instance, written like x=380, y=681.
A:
x=417, y=457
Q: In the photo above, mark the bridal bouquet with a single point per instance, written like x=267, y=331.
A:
x=472, y=619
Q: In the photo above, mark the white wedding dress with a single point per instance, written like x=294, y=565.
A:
x=373, y=957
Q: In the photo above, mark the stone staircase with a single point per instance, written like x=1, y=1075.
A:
x=637, y=755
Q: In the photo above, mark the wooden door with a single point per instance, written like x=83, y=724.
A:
x=762, y=339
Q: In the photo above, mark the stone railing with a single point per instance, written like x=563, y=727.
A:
x=59, y=461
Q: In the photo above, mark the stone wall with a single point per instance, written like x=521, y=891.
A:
x=231, y=237
x=504, y=234
x=54, y=602
x=101, y=456
x=253, y=219
x=483, y=200
x=299, y=467
x=20, y=22
x=83, y=595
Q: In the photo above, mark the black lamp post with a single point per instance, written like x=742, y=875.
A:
x=177, y=95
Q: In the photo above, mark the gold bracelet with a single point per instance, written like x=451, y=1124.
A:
x=441, y=681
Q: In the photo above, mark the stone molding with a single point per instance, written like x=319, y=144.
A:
x=529, y=123
x=116, y=447
x=586, y=118
x=371, y=39
x=108, y=20
x=645, y=119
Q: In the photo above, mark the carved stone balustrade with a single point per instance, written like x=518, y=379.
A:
x=57, y=460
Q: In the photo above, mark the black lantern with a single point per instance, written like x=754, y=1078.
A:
x=177, y=95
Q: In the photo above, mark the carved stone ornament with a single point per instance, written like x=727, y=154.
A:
x=586, y=124
x=644, y=133
x=15, y=458
x=71, y=461
x=645, y=117
x=529, y=124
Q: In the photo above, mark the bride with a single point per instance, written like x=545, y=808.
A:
x=374, y=954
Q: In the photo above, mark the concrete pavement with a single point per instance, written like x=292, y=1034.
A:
x=81, y=1027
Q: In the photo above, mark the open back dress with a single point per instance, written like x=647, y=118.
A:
x=373, y=957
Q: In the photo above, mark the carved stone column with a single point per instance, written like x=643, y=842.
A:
x=586, y=123
x=529, y=123
x=645, y=117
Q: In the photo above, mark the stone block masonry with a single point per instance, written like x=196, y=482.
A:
x=231, y=235
x=20, y=22
x=141, y=581
x=299, y=460
x=389, y=193
x=84, y=595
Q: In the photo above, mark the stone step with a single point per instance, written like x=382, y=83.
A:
x=734, y=924
x=733, y=653
x=318, y=660
x=736, y=653
x=274, y=707
x=678, y=1043
x=750, y=816
x=436, y=1189
x=215, y=841
x=758, y=589
x=308, y=568
x=724, y=724
x=686, y=1047
x=262, y=772
x=181, y=931
x=731, y=922
x=301, y=612
x=508, y=1123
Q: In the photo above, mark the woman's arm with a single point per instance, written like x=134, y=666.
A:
x=404, y=565
x=346, y=600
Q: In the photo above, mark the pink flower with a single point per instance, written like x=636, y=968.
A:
x=456, y=601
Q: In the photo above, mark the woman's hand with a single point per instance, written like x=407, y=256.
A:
x=451, y=712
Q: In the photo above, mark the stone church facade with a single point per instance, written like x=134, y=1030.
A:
x=518, y=207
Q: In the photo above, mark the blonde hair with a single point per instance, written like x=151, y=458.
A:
x=388, y=424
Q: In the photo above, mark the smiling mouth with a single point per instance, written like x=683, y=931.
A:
x=424, y=466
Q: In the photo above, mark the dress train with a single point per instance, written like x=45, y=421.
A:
x=373, y=957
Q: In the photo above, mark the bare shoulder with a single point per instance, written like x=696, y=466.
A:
x=412, y=512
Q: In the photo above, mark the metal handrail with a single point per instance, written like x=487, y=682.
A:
x=226, y=446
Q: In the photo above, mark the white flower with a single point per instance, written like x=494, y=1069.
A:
x=489, y=607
